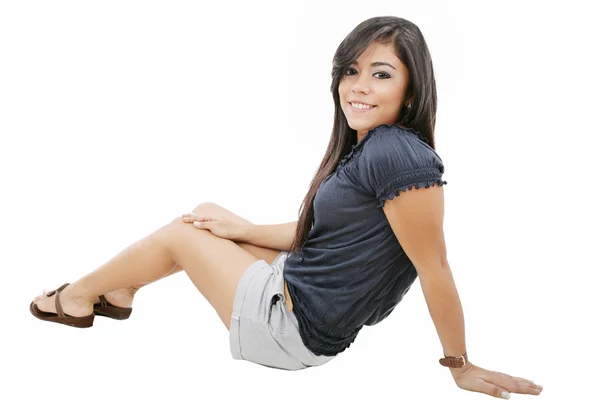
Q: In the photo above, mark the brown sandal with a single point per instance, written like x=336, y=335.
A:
x=105, y=309
x=60, y=317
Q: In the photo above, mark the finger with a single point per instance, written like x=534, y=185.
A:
x=202, y=224
x=185, y=217
x=499, y=379
x=512, y=384
x=521, y=387
x=493, y=390
x=191, y=217
x=528, y=387
x=512, y=377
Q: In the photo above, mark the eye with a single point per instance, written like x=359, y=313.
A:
x=384, y=75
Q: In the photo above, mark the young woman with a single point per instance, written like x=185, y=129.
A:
x=295, y=295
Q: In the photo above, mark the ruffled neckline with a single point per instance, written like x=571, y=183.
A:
x=356, y=148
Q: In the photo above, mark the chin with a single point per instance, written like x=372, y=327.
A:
x=359, y=126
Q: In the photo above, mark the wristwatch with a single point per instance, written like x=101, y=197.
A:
x=454, y=362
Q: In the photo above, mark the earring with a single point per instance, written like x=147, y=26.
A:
x=408, y=106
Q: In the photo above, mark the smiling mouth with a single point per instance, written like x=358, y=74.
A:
x=361, y=107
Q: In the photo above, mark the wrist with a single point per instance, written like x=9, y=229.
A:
x=243, y=232
x=456, y=372
x=455, y=362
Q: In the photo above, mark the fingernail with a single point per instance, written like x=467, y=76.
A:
x=196, y=223
x=506, y=395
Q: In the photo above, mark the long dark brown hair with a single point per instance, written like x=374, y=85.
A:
x=411, y=49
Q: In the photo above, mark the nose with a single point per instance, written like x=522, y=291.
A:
x=361, y=84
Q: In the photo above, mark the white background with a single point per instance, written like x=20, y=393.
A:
x=118, y=116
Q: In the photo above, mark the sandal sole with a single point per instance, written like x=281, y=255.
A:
x=113, y=312
x=76, y=322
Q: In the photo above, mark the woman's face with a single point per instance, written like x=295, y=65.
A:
x=380, y=86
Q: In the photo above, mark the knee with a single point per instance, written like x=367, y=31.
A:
x=207, y=207
x=177, y=229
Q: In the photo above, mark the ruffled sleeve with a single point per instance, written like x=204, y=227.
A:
x=397, y=160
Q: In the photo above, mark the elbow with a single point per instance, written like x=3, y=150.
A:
x=433, y=269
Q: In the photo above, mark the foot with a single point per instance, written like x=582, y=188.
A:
x=72, y=305
x=120, y=297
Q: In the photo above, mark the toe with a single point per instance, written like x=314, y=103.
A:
x=45, y=303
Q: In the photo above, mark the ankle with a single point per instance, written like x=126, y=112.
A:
x=132, y=290
x=79, y=294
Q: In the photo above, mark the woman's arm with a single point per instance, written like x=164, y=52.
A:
x=445, y=309
x=416, y=217
x=278, y=236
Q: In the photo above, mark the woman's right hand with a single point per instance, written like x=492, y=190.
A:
x=218, y=226
x=476, y=379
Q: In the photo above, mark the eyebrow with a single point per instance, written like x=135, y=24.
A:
x=376, y=64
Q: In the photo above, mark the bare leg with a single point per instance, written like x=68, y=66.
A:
x=144, y=261
x=214, y=265
x=124, y=297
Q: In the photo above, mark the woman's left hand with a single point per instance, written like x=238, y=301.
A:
x=476, y=379
x=218, y=226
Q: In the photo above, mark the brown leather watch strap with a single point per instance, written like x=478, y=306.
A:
x=454, y=362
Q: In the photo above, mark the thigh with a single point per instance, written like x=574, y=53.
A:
x=262, y=253
x=215, y=265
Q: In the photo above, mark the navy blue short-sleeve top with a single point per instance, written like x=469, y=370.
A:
x=351, y=271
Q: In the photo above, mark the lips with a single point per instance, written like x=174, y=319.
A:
x=360, y=110
x=360, y=102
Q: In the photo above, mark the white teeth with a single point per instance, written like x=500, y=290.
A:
x=362, y=106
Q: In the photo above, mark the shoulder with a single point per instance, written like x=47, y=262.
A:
x=399, y=145
x=396, y=159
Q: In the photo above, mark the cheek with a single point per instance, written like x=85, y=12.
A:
x=342, y=89
x=393, y=102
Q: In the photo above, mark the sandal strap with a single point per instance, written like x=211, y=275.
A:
x=51, y=293
x=59, y=309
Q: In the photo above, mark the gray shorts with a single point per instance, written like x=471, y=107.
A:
x=262, y=330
